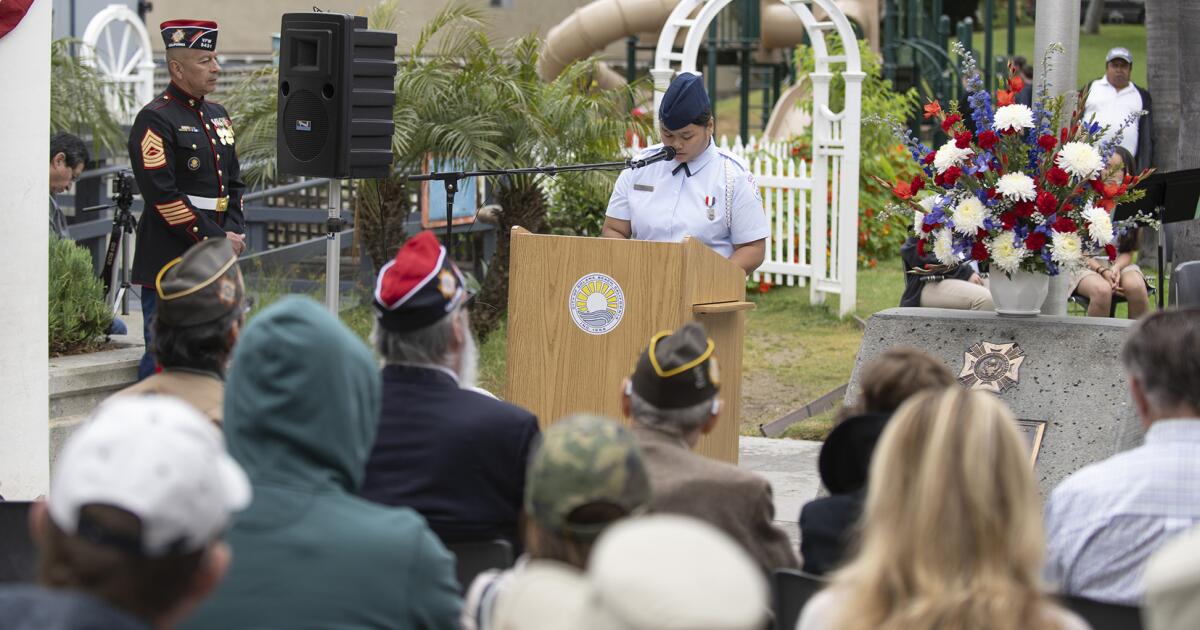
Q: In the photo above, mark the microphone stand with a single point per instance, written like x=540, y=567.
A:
x=450, y=179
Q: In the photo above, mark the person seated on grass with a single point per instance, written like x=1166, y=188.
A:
x=301, y=411
x=952, y=530
x=672, y=400
x=1107, y=518
x=827, y=523
x=1101, y=281
x=653, y=572
x=456, y=456
x=131, y=536
x=586, y=475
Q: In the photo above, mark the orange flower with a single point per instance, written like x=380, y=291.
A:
x=903, y=190
x=1003, y=97
x=1016, y=83
x=933, y=108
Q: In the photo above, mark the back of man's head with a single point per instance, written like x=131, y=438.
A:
x=201, y=305
x=675, y=384
x=1162, y=358
x=71, y=146
x=141, y=496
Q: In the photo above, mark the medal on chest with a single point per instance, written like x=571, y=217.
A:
x=709, y=202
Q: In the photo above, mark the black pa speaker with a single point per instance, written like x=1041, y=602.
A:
x=336, y=93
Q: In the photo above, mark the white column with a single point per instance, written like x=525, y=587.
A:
x=24, y=201
x=1057, y=21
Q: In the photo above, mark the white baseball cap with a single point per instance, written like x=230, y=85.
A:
x=1119, y=52
x=158, y=459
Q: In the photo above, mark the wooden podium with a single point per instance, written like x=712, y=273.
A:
x=581, y=310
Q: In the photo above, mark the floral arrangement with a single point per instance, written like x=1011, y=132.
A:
x=1026, y=191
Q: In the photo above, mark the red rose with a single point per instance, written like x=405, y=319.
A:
x=990, y=192
x=939, y=179
x=920, y=248
x=950, y=121
x=928, y=227
x=1047, y=142
x=1008, y=220
x=929, y=158
x=1046, y=202
x=962, y=140
x=979, y=251
x=1097, y=185
x=1064, y=224
x=1023, y=209
x=987, y=139
x=1035, y=241
x=1111, y=250
x=951, y=175
x=1057, y=176
x=1016, y=83
x=917, y=184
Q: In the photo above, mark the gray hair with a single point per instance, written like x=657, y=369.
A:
x=431, y=345
x=681, y=422
x=1163, y=354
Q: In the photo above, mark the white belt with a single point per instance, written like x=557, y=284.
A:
x=209, y=203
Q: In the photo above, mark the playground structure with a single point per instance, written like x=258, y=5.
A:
x=754, y=35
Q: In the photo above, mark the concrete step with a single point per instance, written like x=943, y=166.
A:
x=79, y=382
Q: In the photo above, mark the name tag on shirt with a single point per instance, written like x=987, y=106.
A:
x=644, y=187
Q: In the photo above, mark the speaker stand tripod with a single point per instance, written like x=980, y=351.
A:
x=333, y=247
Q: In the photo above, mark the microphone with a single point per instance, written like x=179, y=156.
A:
x=667, y=153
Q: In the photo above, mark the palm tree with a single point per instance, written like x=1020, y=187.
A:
x=565, y=121
x=77, y=100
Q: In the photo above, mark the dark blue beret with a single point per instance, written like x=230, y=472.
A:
x=684, y=101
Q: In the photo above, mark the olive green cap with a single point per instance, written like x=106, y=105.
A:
x=201, y=286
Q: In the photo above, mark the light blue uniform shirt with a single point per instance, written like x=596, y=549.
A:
x=663, y=206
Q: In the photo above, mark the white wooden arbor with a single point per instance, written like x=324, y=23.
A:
x=116, y=43
x=831, y=263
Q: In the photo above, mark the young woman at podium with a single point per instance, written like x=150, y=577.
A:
x=704, y=192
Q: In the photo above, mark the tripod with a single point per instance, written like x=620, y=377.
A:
x=123, y=223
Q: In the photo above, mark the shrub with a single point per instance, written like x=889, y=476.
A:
x=78, y=315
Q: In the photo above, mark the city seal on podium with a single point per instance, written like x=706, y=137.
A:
x=596, y=303
x=992, y=367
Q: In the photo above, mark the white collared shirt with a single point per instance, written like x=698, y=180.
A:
x=663, y=205
x=1110, y=107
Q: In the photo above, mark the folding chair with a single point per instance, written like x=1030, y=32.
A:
x=18, y=557
x=1102, y=615
x=1185, y=284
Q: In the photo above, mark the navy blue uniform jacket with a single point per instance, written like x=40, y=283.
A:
x=456, y=456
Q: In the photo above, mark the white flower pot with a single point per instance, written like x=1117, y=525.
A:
x=1019, y=296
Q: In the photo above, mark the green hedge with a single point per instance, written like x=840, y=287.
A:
x=78, y=316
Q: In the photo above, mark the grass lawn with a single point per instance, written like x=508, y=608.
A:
x=1092, y=48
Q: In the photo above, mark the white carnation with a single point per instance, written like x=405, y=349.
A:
x=1017, y=187
x=1099, y=225
x=1013, y=118
x=968, y=216
x=1079, y=159
x=943, y=247
x=1066, y=248
x=1005, y=254
x=918, y=220
x=949, y=155
x=929, y=202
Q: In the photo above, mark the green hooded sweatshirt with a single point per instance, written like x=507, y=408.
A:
x=301, y=409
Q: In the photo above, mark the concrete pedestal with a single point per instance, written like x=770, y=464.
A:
x=1071, y=376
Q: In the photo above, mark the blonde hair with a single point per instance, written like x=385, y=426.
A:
x=952, y=529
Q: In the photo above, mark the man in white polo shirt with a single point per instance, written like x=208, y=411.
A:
x=1112, y=98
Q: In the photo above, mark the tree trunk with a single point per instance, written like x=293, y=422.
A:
x=1163, y=73
x=1186, y=234
x=524, y=205
x=1095, y=11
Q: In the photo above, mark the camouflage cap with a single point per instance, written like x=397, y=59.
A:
x=201, y=286
x=584, y=459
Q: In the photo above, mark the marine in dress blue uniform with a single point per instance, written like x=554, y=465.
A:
x=707, y=193
x=183, y=155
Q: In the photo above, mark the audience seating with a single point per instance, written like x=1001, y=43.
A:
x=1185, y=284
x=18, y=558
x=1102, y=615
x=790, y=591
x=474, y=558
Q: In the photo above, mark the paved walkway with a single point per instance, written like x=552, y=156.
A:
x=791, y=467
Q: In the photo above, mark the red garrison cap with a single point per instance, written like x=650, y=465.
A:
x=421, y=286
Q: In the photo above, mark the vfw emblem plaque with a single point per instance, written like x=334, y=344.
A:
x=992, y=367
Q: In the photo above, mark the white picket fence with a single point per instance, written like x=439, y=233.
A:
x=805, y=237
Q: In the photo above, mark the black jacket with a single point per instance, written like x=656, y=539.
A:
x=181, y=146
x=827, y=529
x=914, y=283
x=456, y=456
